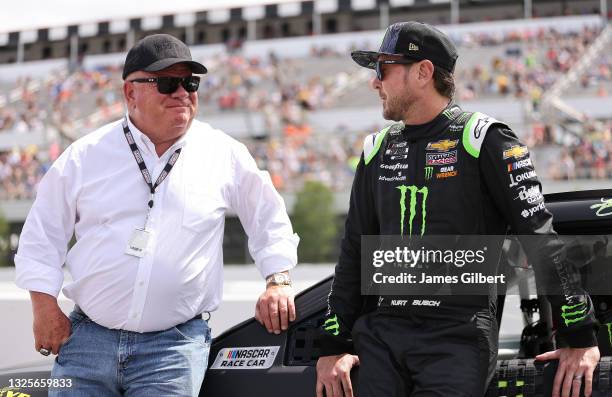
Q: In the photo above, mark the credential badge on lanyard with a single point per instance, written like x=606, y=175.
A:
x=137, y=245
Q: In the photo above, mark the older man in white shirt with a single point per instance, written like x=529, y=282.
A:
x=145, y=197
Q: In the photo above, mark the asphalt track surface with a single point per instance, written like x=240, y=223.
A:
x=243, y=285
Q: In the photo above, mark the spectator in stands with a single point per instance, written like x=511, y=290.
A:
x=145, y=197
x=527, y=66
x=591, y=157
x=20, y=173
x=538, y=69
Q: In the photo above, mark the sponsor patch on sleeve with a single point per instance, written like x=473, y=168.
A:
x=517, y=165
x=515, y=180
x=516, y=152
x=529, y=212
x=530, y=195
x=260, y=357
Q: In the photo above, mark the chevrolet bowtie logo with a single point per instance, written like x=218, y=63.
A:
x=515, y=151
x=442, y=146
x=413, y=47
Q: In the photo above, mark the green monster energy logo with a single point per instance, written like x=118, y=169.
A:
x=428, y=173
x=574, y=313
x=331, y=325
x=609, y=325
x=413, y=201
x=448, y=113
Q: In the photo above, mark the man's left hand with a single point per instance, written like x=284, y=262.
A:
x=575, y=367
x=275, y=308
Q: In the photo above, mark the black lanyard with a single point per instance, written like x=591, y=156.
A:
x=143, y=167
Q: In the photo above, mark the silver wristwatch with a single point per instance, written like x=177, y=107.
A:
x=278, y=279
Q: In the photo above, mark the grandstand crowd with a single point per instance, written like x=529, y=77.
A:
x=20, y=172
x=519, y=65
x=280, y=89
x=589, y=157
x=530, y=63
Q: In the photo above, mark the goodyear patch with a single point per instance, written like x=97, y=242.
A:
x=259, y=357
x=394, y=167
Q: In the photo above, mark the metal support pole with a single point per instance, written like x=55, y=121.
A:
x=251, y=30
x=384, y=16
x=454, y=11
x=317, y=22
x=190, y=35
x=74, y=50
x=20, y=51
x=528, y=9
x=130, y=39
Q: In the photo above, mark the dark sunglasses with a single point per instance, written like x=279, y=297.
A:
x=379, y=63
x=168, y=85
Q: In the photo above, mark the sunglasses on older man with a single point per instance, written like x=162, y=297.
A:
x=379, y=69
x=169, y=85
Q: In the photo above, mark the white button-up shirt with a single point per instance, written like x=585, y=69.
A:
x=96, y=191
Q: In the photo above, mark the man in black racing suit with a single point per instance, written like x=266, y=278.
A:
x=440, y=171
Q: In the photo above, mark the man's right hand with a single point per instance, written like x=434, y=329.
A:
x=51, y=326
x=334, y=375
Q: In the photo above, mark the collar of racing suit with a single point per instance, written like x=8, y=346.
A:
x=431, y=128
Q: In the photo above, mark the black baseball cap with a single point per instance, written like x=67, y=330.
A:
x=157, y=52
x=413, y=40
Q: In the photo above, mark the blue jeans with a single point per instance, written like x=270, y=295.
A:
x=109, y=362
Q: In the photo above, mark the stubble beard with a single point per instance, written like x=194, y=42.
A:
x=395, y=108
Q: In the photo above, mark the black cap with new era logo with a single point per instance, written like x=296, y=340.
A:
x=413, y=40
x=157, y=52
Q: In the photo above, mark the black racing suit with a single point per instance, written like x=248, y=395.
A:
x=460, y=174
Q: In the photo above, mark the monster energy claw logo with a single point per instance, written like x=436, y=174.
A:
x=413, y=202
x=428, y=173
x=448, y=113
x=331, y=325
x=573, y=313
